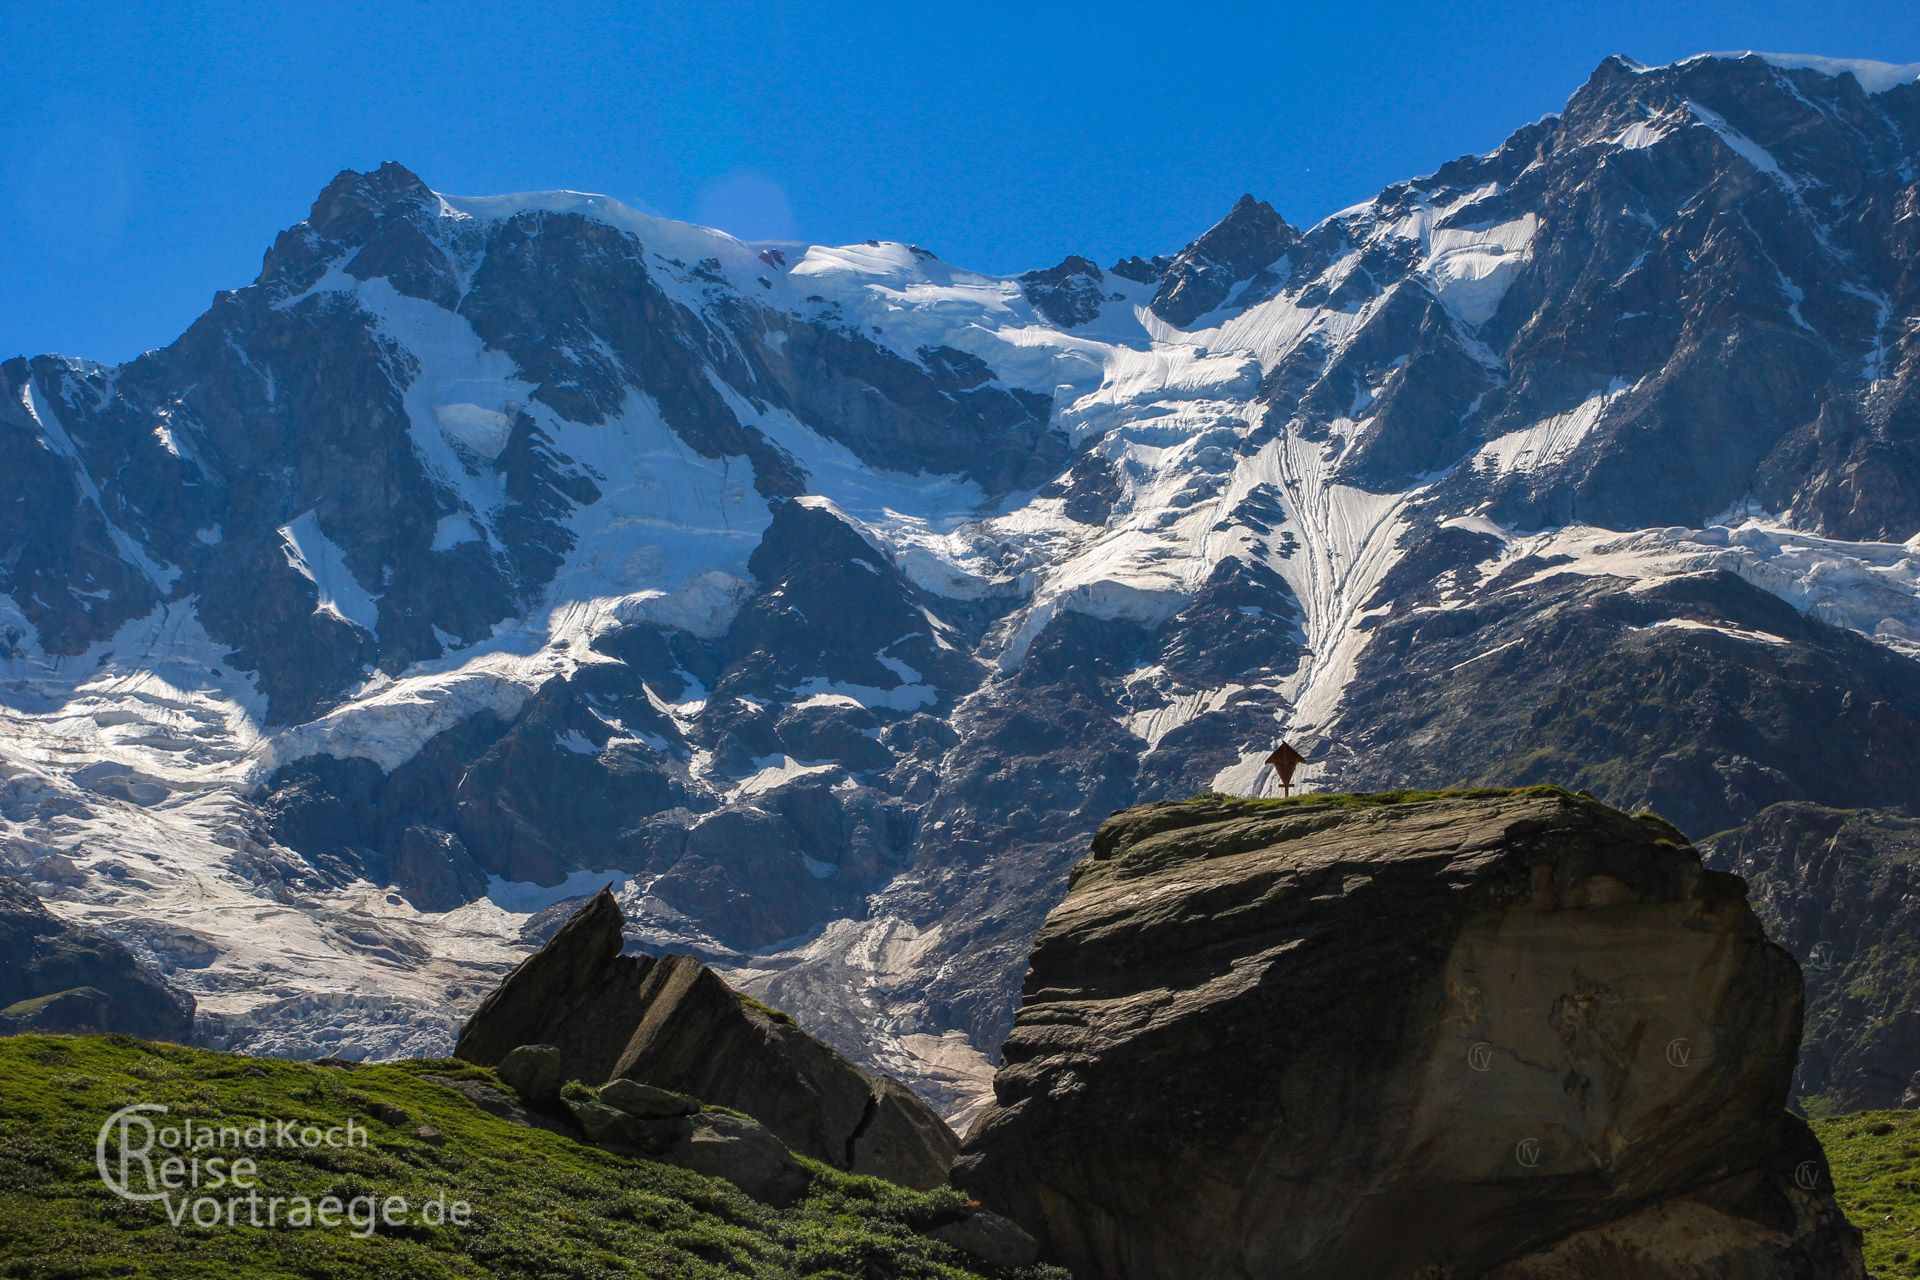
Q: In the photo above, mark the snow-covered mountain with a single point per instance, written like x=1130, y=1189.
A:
x=485, y=550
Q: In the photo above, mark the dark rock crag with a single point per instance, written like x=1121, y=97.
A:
x=672, y=1023
x=1069, y=294
x=1507, y=1035
x=64, y=978
x=1240, y=247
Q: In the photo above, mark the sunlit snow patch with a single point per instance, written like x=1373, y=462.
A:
x=1470, y=268
x=1547, y=442
x=1874, y=77
x=1737, y=633
x=774, y=772
x=322, y=563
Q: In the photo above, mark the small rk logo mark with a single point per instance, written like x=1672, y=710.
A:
x=1807, y=1175
x=1480, y=1056
x=1528, y=1153
x=1679, y=1051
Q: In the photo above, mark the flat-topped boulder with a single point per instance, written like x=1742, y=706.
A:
x=1508, y=1035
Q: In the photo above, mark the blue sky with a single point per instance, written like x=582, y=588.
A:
x=149, y=155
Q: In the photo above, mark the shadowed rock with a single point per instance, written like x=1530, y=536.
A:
x=1513, y=1035
x=673, y=1023
x=546, y=990
x=535, y=1072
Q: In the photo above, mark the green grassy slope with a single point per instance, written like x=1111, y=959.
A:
x=1876, y=1175
x=543, y=1205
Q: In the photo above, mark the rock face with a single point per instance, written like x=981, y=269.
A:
x=1507, y=1035
x=59, y=977
x=1841, y=890
x=672, y=1023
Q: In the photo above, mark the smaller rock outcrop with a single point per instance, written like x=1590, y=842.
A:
x=745, y=1152
x=1510, y=1035
x=536, y=1071
x=986, y=1236
x=623, y=1115
x=649, y=1102
x=65, y=978
x=1142, y=270
x=672, y=1023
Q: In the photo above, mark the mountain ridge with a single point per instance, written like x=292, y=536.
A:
x=487, y=549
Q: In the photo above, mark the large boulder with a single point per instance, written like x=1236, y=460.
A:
x=745, y=1153
x=673, y=1023
x=1506, y=1035
x=61, y=977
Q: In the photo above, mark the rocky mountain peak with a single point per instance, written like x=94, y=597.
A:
x=347, y=207
x=382, y=223
x=1235, y=249
x=1784, y=103
x=1068, y=294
